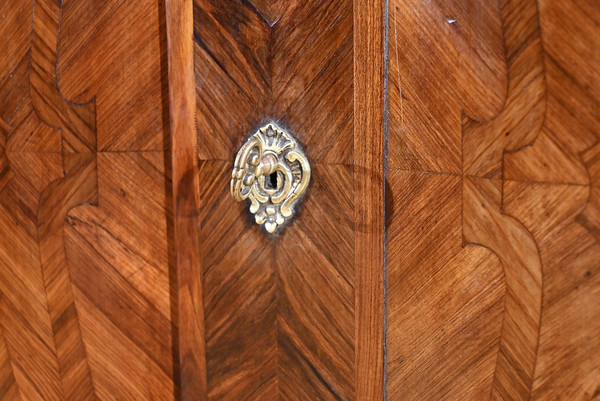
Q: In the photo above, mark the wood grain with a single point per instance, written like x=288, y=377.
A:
x=369, y=192
x=555, y=195
x=128, y=272
x=492, y=147
x=484, y=146
x=284, y=306
x=84, y=256
x=44, y=122
x=186, y=189
x=445, y=301
x=280, y=312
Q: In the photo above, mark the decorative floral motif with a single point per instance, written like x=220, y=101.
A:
x=273, y=173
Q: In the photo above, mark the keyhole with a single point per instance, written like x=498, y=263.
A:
x=271, y=181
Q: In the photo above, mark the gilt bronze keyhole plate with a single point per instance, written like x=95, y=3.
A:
x=273, y=173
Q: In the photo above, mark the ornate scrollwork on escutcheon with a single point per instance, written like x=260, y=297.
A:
x=271, y=171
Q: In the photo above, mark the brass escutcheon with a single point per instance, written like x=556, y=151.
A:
x=271, y=171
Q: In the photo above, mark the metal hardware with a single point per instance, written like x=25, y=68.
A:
x=272, y=172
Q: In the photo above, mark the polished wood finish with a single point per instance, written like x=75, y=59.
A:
x=186, y=203
x=369, y=195
x=281, y=314
x=492, y=232
x=448, y=246
x=84, y=202
x=279, y=310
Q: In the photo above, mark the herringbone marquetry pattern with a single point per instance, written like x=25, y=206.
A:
x=279, y=312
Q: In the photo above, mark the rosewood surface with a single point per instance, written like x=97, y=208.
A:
x=493, y=253
x=448, y=246
x=85, y=295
